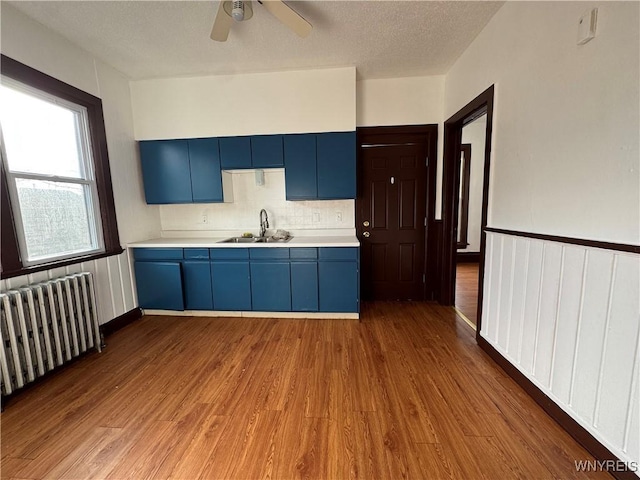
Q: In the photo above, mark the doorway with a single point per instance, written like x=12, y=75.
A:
x=395, y=202
x=465, y=198
x=471, y=175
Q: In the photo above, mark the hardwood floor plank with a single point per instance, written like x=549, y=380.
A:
x=403, y=393
x=467, y=277
x=11, y=466
x=436, y=462
x=197, y=453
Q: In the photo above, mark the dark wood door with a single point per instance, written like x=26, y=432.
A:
x=393, y=202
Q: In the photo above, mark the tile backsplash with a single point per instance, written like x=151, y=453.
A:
x=248, y=199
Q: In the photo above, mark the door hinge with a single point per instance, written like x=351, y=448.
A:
x=424, y=278
x=425, y=221
x=426, y=162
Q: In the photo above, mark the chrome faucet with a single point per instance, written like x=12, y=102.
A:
x=264, y=222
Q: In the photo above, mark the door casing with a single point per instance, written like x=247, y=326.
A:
x=483, y=103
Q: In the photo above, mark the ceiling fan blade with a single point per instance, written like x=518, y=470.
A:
x=288, y=16
x=221, y=25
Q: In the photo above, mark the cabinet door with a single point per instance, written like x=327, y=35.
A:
x=197, y=285
x=159, y=285
x=300, y=166
x=304, y=286
x=231, y=285
x=270, y=286
x=165, y=171
x=338, y=286
x=267, y=151
x=337, y=165
x=206, y=179
x=235, y=152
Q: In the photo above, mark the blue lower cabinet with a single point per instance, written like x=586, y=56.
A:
x=197, y=285
x=338, y=286
x=159, y=285
x=304, y=286
x=271, y=286
x=231, y=285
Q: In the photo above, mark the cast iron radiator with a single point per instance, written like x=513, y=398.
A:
x=45, y=325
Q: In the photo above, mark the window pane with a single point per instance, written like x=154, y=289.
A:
x=55, y=217
x=39, y=136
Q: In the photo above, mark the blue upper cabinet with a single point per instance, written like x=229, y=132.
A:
x=336, y=153
x=267, y=151
x=181, y=171
x=235, y=152
x=300, y=166
x=320, y=166
x=165, y=171
x=206, y=178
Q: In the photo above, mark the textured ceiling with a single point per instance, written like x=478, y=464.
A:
x=146, y=39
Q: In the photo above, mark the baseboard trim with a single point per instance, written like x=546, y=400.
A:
x=573, y=428
x=120, y=322
x=468, y=257
x=251, y=314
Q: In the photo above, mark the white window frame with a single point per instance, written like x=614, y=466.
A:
x=87, y=178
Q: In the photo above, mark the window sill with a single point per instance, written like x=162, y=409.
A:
x=60, y=263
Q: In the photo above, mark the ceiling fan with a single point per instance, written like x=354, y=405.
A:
x=240, y=11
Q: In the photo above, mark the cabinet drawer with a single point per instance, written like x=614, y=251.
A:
x=157, y=253
x=338, y=253
x=196, y=253
x=268, y=253
x=228, y=253
x=303, y=253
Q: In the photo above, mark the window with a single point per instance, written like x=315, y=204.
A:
x=57, y=201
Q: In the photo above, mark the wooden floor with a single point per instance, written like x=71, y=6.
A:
x=406, y=393
x=467, y=290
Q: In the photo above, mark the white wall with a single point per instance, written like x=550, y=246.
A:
x=31, y=43
x=283, y=102
x=404, y=101
x=566, y=128
x=564, y=162
x=242, y=215
x=475, y=134
x=400, y=101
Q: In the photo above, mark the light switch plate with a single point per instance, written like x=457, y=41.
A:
x=587, y=26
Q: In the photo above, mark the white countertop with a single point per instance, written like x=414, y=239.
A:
x=300, y=241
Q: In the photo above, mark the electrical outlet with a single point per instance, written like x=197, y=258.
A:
x=205, y=219
x=338, y=216
x=316, y=217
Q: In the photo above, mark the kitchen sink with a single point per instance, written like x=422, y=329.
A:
x=242, y=240
x=275, y=240
x=254, y=240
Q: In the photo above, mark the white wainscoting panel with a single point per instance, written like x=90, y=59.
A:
x=113, y=284
x=568, y=317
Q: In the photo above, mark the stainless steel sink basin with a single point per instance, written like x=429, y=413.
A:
x=275, y=240
x=254, y=240
x=241, y=240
